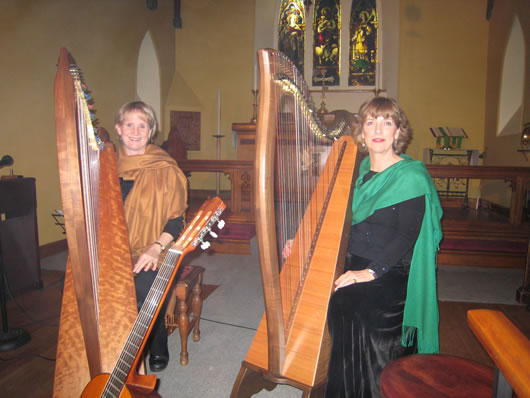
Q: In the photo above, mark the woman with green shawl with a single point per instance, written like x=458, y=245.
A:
x=385, y=305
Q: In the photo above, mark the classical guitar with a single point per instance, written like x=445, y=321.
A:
x=124, y=382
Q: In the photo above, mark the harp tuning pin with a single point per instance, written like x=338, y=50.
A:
x=221, y=224
x=205, y=245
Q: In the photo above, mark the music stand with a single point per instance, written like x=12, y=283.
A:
x=10, y=339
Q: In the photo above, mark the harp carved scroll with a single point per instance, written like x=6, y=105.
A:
x=304, y=174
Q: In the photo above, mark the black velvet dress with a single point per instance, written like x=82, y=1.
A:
x=365, y=319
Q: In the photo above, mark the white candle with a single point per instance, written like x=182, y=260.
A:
x=376, y=76
x=218, y=138
x=218, y=111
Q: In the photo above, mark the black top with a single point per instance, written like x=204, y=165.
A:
x=387, y=237
x=173, y=226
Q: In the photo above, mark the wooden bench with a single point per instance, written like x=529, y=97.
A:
x=185, y=295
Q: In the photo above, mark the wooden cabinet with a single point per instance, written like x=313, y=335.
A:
x=19, y=240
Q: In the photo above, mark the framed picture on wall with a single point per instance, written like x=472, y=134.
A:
x=188, y=125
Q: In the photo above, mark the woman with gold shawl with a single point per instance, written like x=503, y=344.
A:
x=385, y=304
x=154, y=190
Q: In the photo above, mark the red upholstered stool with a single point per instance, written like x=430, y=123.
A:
x=436, y=376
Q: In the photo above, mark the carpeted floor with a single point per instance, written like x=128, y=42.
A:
x=234, y=308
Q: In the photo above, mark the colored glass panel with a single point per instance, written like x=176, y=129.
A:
x=363, y=43
x=326, y=43
x=291, y=31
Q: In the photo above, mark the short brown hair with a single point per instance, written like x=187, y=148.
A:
x=387, y=108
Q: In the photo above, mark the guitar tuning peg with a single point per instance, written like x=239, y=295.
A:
x=213, y=234
x=205, y=245
x=221, y=224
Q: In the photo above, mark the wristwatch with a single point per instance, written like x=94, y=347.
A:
x=372, y=272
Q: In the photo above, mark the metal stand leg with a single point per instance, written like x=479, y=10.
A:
x=10, y=339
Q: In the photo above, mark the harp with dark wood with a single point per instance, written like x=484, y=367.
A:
x=99, y=302
x=303, y=188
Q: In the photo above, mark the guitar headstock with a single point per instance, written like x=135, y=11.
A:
x=207, y=215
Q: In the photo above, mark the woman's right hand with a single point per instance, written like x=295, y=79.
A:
x=148, y=260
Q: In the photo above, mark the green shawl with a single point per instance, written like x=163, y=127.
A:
x=405, y=180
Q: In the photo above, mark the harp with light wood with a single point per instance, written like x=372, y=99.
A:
x=303, y=188
x=99, y=302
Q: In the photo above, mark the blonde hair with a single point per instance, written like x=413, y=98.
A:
x=387, y=108
x=144, y=109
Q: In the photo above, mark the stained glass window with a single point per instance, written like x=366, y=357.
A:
x=291, y=31
x=326, y=43
x=363, y=43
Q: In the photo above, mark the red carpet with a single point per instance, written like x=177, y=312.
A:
x=207, y=290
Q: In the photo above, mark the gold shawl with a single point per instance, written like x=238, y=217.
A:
x=159, y=194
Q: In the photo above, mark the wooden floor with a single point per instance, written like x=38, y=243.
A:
x=28, y=371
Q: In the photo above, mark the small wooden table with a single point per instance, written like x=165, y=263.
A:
x=436, y=376
x=189, y=281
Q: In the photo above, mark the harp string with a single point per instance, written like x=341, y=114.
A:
x=89, y=147
x=301, y=151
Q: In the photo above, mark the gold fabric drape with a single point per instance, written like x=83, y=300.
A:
x=159, y=194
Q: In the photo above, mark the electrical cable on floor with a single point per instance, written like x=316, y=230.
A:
x=33, y=320
x=228, y=324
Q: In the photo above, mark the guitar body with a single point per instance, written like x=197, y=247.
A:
x=97, y=385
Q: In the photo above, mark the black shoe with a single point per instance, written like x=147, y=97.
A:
x=158, y=363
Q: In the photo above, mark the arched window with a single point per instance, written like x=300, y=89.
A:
x=326, y=43
x=363, y=43
x=291, y=31
x=338, y=50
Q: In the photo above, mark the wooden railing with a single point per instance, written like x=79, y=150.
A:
x=241, y=175
x=518, y=177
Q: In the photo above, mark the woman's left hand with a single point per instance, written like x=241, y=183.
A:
x=351, y=277
x=148, y=260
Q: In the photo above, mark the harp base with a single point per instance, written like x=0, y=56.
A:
x=252, y=379
x=13, y=338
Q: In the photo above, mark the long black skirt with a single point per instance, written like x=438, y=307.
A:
x=364, y=321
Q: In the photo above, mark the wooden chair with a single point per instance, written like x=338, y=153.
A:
x=450, y=376
x=508, y=348
x=185, y=299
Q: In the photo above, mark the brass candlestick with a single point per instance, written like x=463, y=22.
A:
x=254, y=107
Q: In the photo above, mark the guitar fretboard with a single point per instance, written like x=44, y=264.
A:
x=118, y=377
